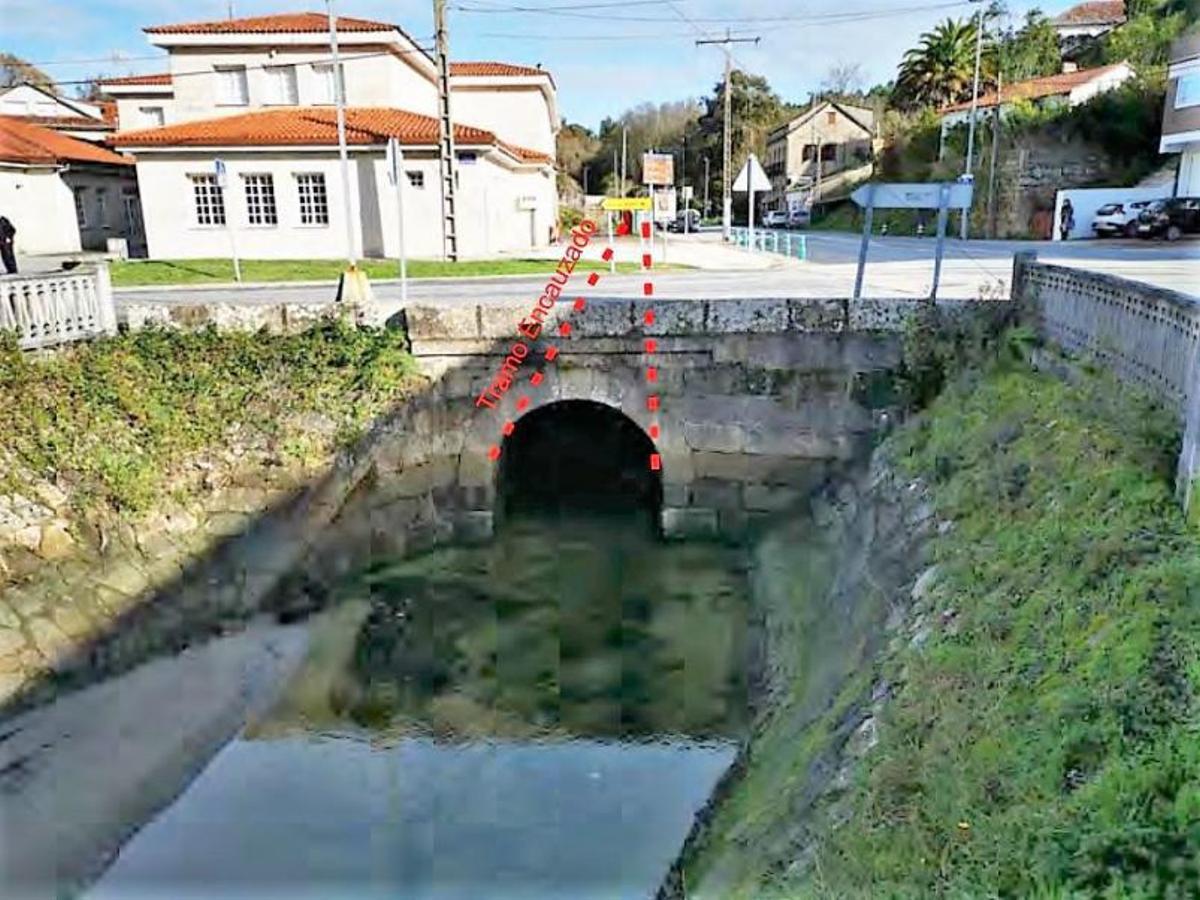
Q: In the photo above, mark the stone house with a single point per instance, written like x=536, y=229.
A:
x=258, y=94
x=819, y=154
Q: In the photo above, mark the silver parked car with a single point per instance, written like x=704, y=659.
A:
x=1116, y=219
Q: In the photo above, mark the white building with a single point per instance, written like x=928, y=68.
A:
x=64, y=195
x=258, y=93
x=76, y=118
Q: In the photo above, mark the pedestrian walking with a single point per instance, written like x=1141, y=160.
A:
x=7, y=233
x=1066, y=220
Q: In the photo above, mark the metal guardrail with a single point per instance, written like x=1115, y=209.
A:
x=54, y=308
x=770, y=241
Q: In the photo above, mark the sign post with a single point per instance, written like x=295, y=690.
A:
x=940, y=196
x=657, y=169
x=222, y=177
x=752, y=178
x=395, y=170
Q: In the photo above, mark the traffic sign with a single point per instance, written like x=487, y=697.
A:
x=752, y=177
x=913, y=196
x=658, y=168
x=622, y=204
x=219, y=171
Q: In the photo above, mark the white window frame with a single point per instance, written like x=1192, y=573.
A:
x=208, y=201
x=325, y=90
x=283, y=88
x=312, y=194
x=258, y=190
x=1188, y=96
x=224, y=82
x=158, y=113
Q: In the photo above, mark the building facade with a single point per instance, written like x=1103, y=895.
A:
x=258, y=94
x=1181, y=117
x=819, y=154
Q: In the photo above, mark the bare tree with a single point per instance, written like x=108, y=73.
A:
x=842, y=80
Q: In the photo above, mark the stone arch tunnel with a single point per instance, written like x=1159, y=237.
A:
x=762, y=402
x=577, y=456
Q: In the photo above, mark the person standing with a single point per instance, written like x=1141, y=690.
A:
x=1067, y=220
x=7, y=253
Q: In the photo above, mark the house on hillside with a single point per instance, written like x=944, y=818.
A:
x=63, y=194
x=1181, y=117
x=92, y=122
x=1069, y=89
x=819, y=154
x=1081, y=25
x=258, y=94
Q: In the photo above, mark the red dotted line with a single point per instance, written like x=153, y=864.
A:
x=650, y=346
x=551, y=353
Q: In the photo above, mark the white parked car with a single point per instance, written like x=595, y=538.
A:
x=775, y=218
x=1116, y=219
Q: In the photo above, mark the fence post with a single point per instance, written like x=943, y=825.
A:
x=104, y=299
x=1025, y=305
x=1189, y=458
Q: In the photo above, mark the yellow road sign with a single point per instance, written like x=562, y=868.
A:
x=620, y=204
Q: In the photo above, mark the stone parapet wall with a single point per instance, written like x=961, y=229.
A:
x=1146, y=336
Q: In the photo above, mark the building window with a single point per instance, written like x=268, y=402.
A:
x=80, y=209
x=232, y=88
x=1187, y=90
x=152, y=116
x=326, y=85
x=210, y=200
x=102, y=207
x=810, y=152
x=829, y=152
x=314, y=202
x=831, y=118
x=260, y=200
x=281, y=85
x=416, y=179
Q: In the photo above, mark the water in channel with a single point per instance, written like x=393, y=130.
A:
x=540, y=717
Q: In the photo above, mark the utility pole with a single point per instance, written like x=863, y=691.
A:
x=726, y=175
x=446, y=134
x=706, y=186
x=585, y=184
x=624, y=148
x=339, y=90
x=967, y=173
x=991, y=201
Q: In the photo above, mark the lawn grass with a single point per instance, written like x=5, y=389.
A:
x=131, y=273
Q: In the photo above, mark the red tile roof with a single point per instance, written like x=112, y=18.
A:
x=493, y=68
x=286, y=23
x=24, y=142
x=1047, y=86
x=75, y=122
x=314, y=125
x=157, y=78
x=1095, y=12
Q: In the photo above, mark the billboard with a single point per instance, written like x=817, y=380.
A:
x=658, y=168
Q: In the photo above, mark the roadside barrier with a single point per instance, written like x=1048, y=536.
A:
x=769, y=241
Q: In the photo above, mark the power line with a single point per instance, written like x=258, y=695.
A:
x=846, y=16
x=111, y=58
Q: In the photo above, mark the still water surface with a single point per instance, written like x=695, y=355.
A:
x=540, y=717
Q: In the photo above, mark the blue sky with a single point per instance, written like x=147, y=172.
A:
x=646, y=53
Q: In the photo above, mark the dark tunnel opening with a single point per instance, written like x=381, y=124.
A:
x=578, y=456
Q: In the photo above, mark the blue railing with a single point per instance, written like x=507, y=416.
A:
x=770, y=241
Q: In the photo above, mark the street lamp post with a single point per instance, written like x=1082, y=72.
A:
x=967, y=174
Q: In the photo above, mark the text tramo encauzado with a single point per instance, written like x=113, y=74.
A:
x=530, y=327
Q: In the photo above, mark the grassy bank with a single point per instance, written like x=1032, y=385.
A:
x=1042, y=734
x=117, y=424
x=132, y=273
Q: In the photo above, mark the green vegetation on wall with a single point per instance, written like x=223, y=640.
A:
x=1040, y=739
x=114, y=423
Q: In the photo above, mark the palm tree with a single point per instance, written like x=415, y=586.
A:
x=941, y=68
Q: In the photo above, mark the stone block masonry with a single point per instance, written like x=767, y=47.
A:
x=1145, y=336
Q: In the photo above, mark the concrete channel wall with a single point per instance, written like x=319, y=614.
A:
x=1146, y=336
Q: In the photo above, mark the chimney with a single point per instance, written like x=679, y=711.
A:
x=1069, y=67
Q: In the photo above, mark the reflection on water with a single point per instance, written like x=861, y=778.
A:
x=540, y=717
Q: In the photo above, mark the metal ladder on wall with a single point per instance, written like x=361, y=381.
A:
x=447, y=167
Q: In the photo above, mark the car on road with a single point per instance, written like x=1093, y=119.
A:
x=1116, y=219
x=799, y=218
x=775, y=218
x=1171, y=219
x=690, y=216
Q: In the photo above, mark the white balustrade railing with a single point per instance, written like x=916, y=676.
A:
x=54, y=308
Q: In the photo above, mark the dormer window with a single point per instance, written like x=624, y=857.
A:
x=231, y=86
x=281, y=85
x=325, y=90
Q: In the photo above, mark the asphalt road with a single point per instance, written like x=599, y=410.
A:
x=897, y=267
